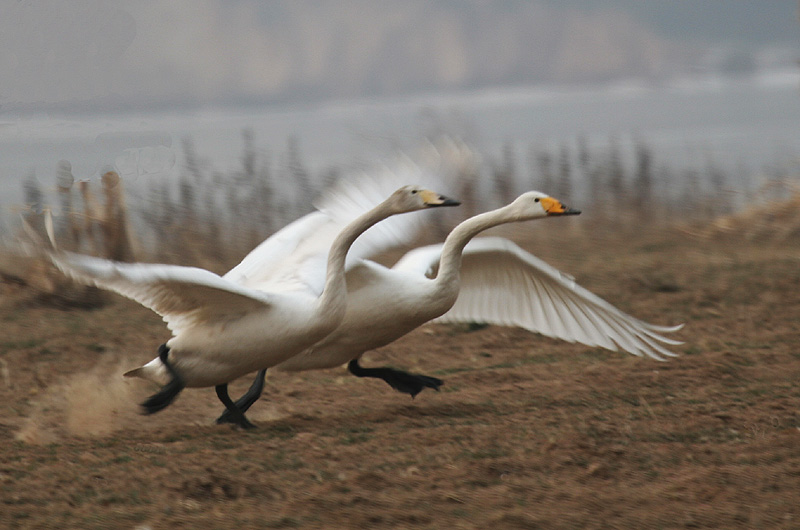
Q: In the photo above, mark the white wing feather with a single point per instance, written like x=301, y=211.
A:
x=274, y=264
x=503, y=284
x=183, y=296
x=292, y=259
x=295, y=257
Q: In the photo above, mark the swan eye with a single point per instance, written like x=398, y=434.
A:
x=414, y=192
x=536, y=199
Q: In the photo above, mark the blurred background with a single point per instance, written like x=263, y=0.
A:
x=209, y=115
x=187, y=131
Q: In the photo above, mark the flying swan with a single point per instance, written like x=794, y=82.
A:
x=226, y=327
x=489, y=280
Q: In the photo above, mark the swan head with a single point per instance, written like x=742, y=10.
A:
x=535, y=204
x=413, y=198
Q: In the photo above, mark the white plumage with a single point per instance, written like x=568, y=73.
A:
x=226, y=327
x=488, y=280
x=505, y=285
x=294, y=256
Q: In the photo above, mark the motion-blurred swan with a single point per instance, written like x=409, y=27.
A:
x=488, y=280
x=248, y=320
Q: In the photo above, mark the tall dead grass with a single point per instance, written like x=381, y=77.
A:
x=212, y=219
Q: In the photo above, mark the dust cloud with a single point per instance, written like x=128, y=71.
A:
x=89, y=404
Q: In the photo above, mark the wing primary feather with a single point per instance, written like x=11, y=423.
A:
x=585, y=327
x=569, y=316
x=658, y=347
x=503, y=284
x=556, y=318
x=628, y=324
x=603, y=329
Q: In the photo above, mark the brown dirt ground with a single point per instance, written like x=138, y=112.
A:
x=527, y=432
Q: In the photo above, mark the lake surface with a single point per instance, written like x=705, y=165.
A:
x=746, y=126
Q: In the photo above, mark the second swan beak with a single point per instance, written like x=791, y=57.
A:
x=432, y=198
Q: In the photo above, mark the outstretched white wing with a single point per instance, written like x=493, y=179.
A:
x=295, y=257
x=505, y=285
x=183, y=296
x=276, y=263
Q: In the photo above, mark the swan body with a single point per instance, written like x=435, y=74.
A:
x=225, y=327
x=384, y=304
x=488, y=280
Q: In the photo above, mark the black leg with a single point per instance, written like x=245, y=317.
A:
x=246, y=401
x=161, y=399
x=401, y=381
x=237, y=415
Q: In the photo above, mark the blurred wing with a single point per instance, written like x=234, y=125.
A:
x=505, y=285
x=349, y=198
x=183, y=296
x=274, y=264
x=421, y=260
x=295, y=258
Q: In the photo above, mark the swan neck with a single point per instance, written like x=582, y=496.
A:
x=335, y=289
x=453, y=248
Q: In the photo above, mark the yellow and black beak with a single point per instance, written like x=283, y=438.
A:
x=554, y=207
x=431, y=198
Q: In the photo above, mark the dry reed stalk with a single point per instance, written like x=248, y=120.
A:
x=114, y=224
x=90, y=208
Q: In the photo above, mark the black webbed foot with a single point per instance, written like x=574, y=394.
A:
x=246, y=401
x=411, y=384
x=236, y=415
x=164, y=397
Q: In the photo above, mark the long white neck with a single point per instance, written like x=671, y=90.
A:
x=450, y=260
x=332, y=301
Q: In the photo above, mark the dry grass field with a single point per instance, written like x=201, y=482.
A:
x=527, y=433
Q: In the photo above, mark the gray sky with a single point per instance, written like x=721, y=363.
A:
x=91, y=54
x=84, y=50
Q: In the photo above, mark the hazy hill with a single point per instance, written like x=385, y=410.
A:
x=85, y=53
x=359, y=46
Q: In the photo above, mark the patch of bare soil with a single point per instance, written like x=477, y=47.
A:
x=527, y=432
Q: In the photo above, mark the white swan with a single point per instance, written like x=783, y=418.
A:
x=492, y=280
x=226, y=327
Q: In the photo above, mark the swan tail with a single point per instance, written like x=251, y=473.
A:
x=154, y=371
x=138, y=372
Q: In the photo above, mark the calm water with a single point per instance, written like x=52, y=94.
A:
x=745, y=126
